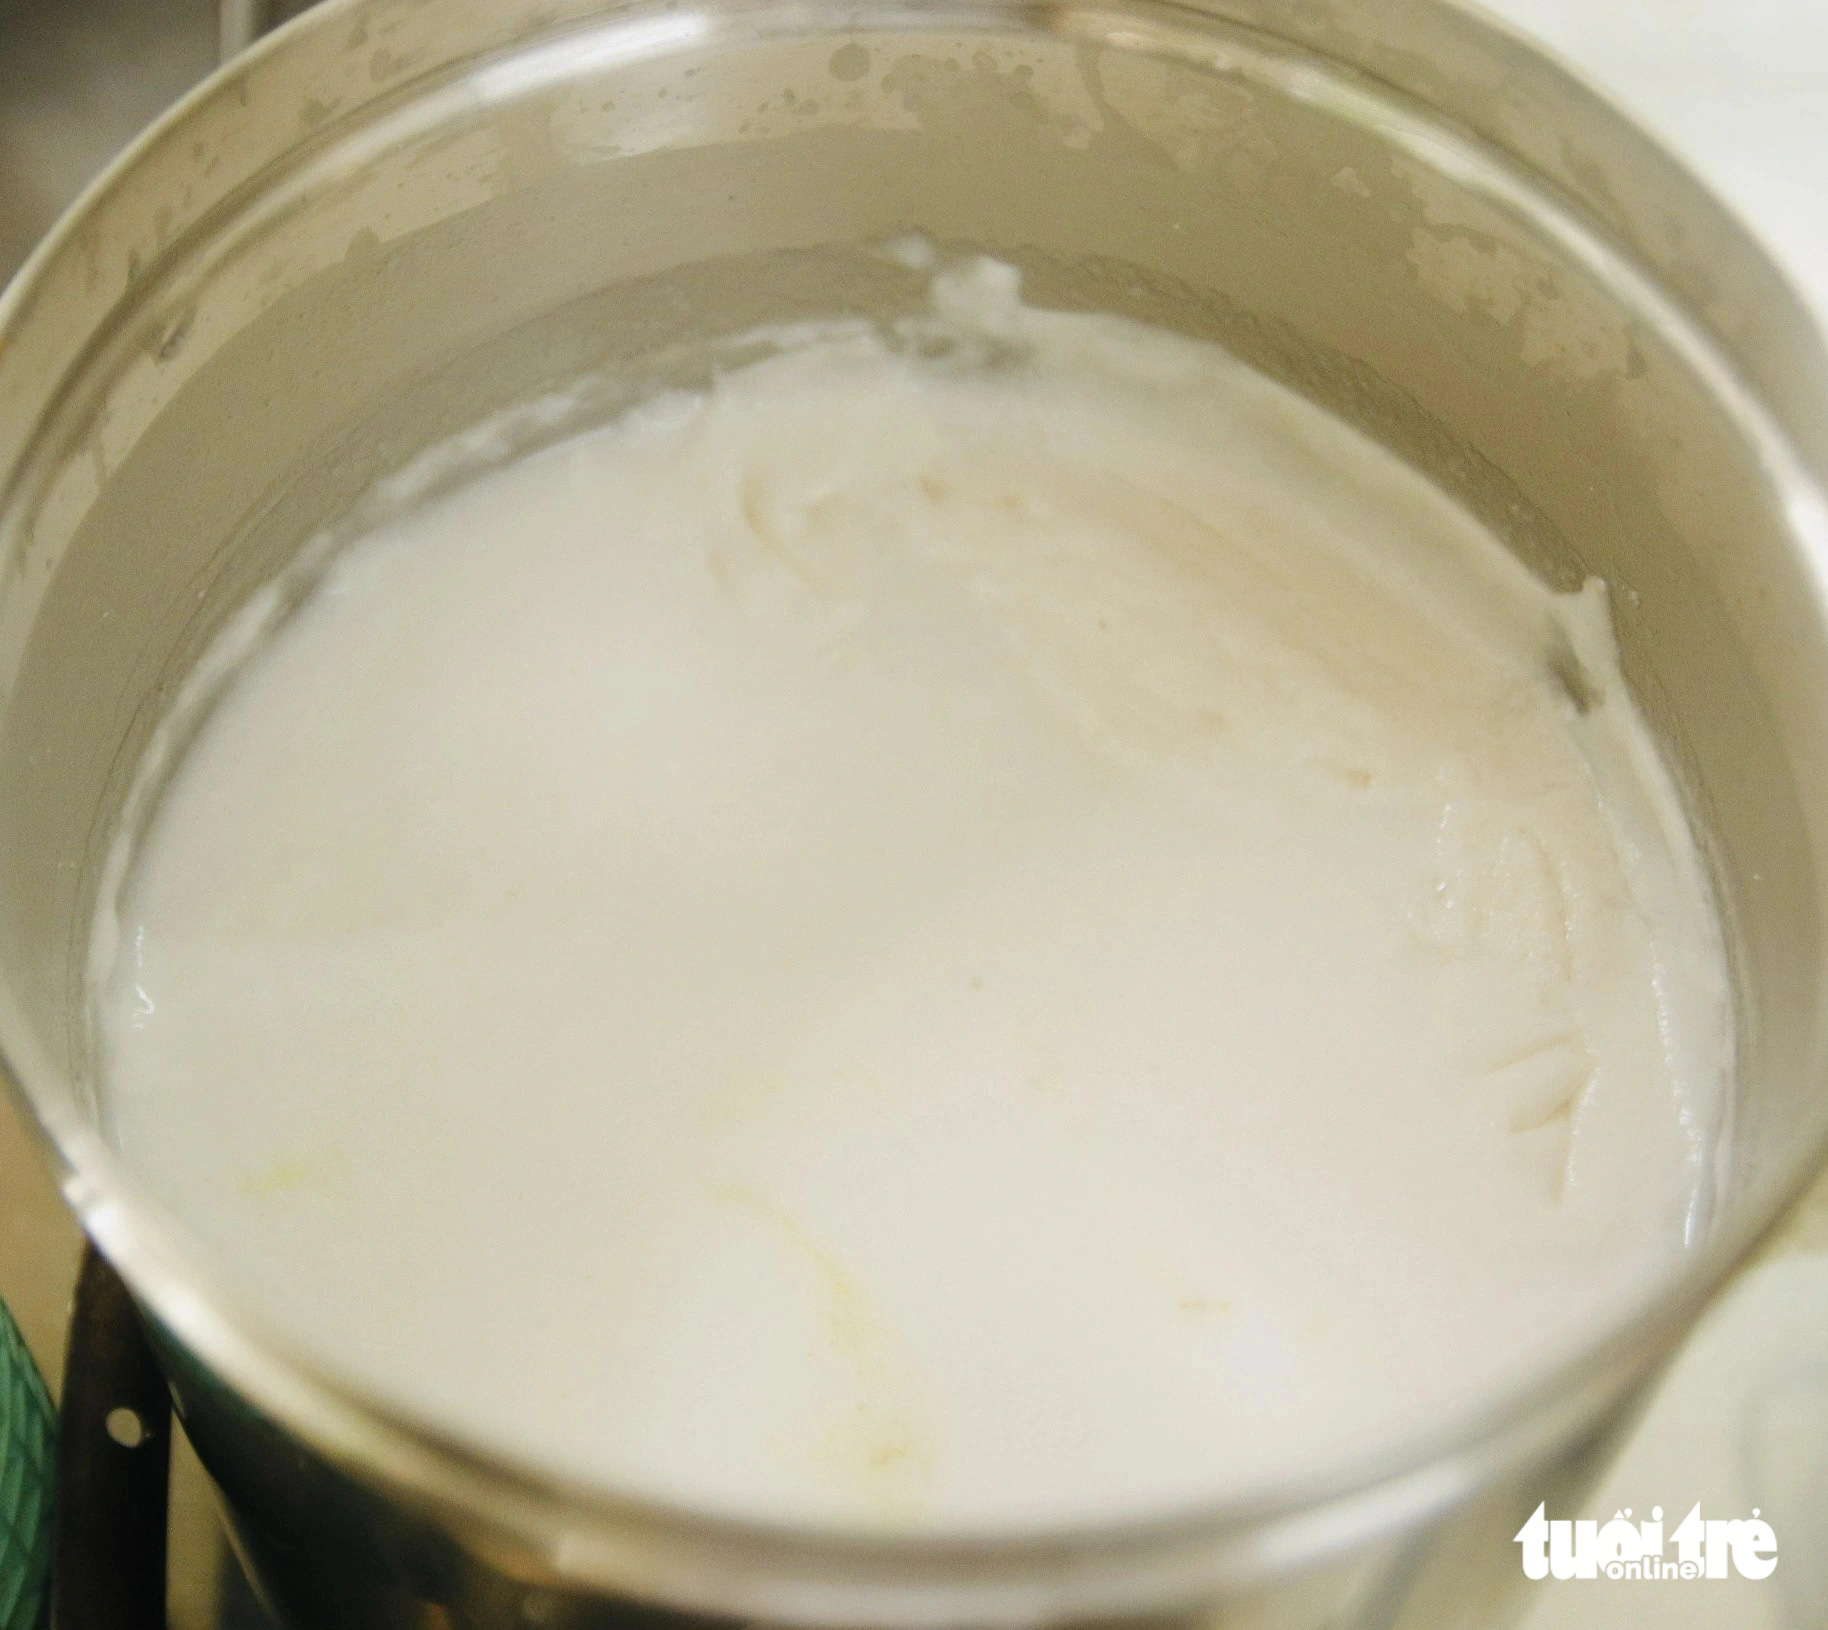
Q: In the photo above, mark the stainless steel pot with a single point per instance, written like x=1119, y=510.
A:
x=397, y=216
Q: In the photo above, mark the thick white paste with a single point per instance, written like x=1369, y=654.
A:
x=996, y=923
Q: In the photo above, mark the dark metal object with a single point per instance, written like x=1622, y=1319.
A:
x=113, y=1466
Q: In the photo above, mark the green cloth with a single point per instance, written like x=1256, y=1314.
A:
x=28, y=1431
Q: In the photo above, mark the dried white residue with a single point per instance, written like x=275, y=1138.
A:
x=1465, y=254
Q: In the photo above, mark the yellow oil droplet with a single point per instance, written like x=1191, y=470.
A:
x=876, y=1437
x=279, y=1178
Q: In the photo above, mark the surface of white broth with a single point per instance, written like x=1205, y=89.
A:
x=990, y=923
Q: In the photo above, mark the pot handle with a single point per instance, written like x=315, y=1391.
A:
x=113, y=1466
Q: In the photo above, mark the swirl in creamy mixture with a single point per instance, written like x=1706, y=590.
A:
x=991, y=922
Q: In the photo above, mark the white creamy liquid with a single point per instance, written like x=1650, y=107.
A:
x=991, y=924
